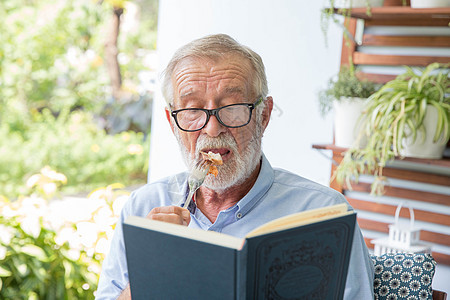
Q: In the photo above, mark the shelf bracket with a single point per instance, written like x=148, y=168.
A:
x=359, y=33
x=327, y=157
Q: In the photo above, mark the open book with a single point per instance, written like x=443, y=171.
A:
x=300, y=256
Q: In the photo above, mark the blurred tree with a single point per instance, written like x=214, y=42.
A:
x=149, y=26
x=130, y=34
x=52, y=54
x=111, y=47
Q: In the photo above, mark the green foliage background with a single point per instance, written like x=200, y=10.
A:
x=55, y=104
x=54, y=87
x=44, y=254
x=38, y=268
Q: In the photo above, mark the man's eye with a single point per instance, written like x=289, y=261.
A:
x=190, y=114
x=194, y=113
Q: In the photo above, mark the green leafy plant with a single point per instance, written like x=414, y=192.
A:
x=46, y=183
x=54, y=88
x=331, y=13
x=35, y=267
x=393, y=113
x=345, y=84
x=74, y=145
x=51, y=56
x=51, y=251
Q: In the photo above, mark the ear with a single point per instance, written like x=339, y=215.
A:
x=267, y=112
x=169, y=119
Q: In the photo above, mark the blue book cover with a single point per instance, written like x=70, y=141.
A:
x=307, y=262
x=301, y=256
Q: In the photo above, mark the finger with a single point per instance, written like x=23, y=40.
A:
x=183, y=213
x=169, y=218
x=167, y=209
x=186, y=215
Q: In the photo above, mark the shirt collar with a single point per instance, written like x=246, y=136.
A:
x=262, y=184
x=178, y=188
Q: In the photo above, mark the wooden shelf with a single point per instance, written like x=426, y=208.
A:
x=406, y=177
x=444, y=162
x=398, y=12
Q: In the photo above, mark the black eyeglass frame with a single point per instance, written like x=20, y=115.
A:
x=215, y=112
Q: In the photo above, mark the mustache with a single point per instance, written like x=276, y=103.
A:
x=224, y=140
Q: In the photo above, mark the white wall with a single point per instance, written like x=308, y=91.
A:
x=287, y=35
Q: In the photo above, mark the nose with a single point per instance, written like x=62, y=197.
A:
x=213, y=128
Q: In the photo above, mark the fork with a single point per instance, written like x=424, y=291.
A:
x=196, y=178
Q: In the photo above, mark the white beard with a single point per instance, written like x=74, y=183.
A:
x=234, y=171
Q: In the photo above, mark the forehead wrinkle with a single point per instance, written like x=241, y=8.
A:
x=191, y=76
x=230, y=81
x=233, y=90
x=186, y=94
x=187, y=74
x=223, y=82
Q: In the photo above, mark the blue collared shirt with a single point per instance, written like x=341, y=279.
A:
x=276, y=193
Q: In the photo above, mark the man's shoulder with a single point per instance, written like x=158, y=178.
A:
x=288, y=180
x=163, y=192
x=167, y=184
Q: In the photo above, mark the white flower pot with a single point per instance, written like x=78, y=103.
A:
x=347, y=112
x=357, y=3
x=429, y=3
x=426, y=148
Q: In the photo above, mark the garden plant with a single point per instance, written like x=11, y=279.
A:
x=48, y=251
x=56, y=95
x=75, y=105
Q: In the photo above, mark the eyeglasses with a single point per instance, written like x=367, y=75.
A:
x=231, y=116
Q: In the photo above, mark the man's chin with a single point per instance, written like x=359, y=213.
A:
x=217, y=186
x=226, y=179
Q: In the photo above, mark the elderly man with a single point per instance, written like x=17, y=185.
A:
x=216, y=93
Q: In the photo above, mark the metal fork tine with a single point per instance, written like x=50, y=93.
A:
x=205, y=165
x=202, y=166
x=196, y=178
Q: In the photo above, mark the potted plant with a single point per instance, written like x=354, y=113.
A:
x=347, y=94
x=397, y=115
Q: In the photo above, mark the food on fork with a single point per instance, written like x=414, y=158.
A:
x=215, y=159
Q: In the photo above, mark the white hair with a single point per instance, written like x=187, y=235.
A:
x=216, y=47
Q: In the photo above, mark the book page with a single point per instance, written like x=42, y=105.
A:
x=302, y=218
x=210, y=237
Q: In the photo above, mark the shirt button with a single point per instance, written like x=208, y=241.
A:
x=239, y=215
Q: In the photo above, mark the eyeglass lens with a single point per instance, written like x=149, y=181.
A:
x=231, y=116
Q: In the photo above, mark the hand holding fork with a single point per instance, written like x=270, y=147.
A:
x=196, y=178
